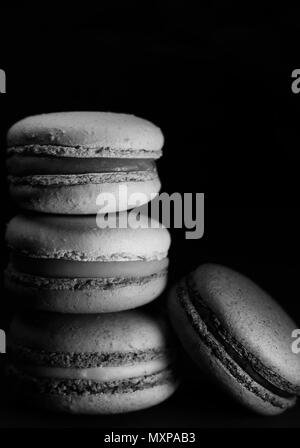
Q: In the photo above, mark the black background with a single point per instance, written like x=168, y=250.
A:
x=217, y=80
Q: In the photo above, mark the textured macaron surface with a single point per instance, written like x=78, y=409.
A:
x=250, y=321
x=86, y=134
x=79, y=238
x=83, y=341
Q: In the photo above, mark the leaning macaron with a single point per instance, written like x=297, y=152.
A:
x=63, y=162
x=69, y=264
x=92, y=364
x=239, y=335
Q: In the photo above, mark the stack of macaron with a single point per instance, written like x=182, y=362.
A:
x=85, y=338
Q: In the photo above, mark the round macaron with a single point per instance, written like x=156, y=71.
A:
x=239, y=335
x=68, y=264
x=92, y=364
x=63, y=162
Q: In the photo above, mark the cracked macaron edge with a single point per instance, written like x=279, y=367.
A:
x=44, y=180
x=84, y=151
x=21, y=354
x=58, y=284
x=47, y=385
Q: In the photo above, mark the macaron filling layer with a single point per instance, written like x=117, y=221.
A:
x=86, y=269
x=19, y=165
x=107, y=373
x=245, y=360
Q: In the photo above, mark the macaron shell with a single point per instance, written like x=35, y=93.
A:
x=88, y=134
x=81, y=199
x=128, y=331
x=102, y=403
x=110, y=403
x=252, y=317
x=80, y=238
x=240, y=386
x=90, y=299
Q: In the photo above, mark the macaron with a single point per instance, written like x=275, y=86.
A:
x=92, y=364
x=68, y=264
x=63, y=162
x=238, y=335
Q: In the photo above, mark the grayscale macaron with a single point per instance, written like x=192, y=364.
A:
x=69, y=264
x=61, y=162
x=239, y=335
x=92, y=364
